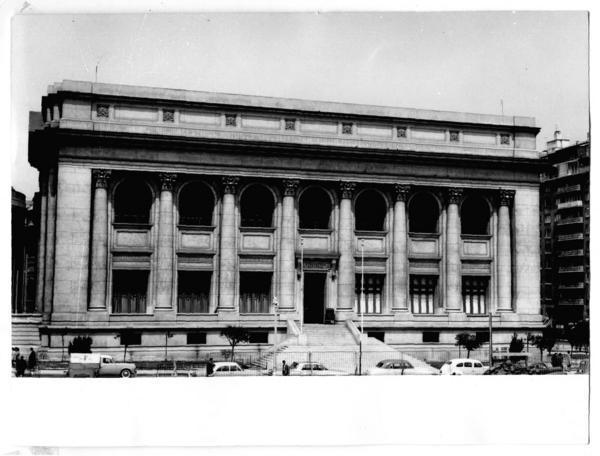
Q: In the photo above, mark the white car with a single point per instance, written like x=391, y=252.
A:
x=312, y=369
x=228, y=368
x=463, y=366
x=401, y=367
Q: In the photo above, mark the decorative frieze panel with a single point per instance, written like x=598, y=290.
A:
x=257, y=242
x=256, y=263
x=423, y=266
x=476, y=267
x=428, y=134
x=131, y=238
x=475, y=137
x=196, y=241
x=370, y=244
x=130, y=261
x=318, y=241
x=136, y=113
x=195, y=262
x=374, y=130
x=420, y=245
x=319, y=126
x=200, y=117
x=475, y=247
x=261, y=122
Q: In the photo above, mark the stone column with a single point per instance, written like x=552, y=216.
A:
x=346, y=269
x=227, y=247
x=164, y=269
x=99, y=239
x=453, y=264
x=41, y=250
x=50, y=245
x=504, y=251
x=399, y=250
x=287, y=247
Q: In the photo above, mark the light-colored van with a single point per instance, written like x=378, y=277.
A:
x=98, y=365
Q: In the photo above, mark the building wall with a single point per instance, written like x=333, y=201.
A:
x=168, y=143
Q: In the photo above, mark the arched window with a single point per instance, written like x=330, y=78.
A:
x=132, y=201
x=423, y=214
x=257, y=206
x=370, y=210
x=474, y=216
x=315, y=209
x=196, y=205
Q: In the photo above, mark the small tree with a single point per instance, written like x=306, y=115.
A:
x=578, y=335
x=235, y=335
x=80, y=345
x=468, y=341
x=545, y=341
x=516, y=344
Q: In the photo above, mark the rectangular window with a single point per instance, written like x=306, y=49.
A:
x=259, y=337
x=255, y=292
x=422, y=293
x=193, y=291
x=129, y=291
x=194, y=338
x=131, y=339
x=431, y=336
x=474, y=291
x=368, y=297
x=482, y=336
x=379, y=335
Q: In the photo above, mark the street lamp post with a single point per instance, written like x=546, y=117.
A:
x=275, y=307
x=361, y=303
x=491, y=356
x=302, y=284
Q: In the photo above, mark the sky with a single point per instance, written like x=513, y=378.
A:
x=516, y=63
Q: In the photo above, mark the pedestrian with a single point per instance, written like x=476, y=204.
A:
x=21, y=366
x=32, y=361
x=285, y=369
x=210, y=366
x=15, y=356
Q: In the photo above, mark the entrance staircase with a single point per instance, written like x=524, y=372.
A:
x=25, y=333
x=336, y=346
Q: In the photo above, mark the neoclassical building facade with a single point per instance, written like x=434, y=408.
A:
x=173, y=214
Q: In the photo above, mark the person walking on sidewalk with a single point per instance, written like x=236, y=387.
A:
x=210, y=366
x=32, y=361
x=285, y=368
x=21, y=365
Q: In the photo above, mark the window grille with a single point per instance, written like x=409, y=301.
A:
x=474, y=290
x=193, y=291
x=370, y=302
x=255, y=292
x=129, y=291
x=422, y=294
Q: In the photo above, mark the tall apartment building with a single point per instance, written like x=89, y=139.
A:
x=565, y=237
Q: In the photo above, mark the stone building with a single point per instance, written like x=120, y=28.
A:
x=25, y=317
x=170, y=214
x=565, y=201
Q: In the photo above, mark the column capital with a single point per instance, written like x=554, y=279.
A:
x=230, y=184
x=505, y=197
x=401, y=192
x=101, y=177
x=290, y=186
x=347, y=189
x=454, y=195
x=167, y=181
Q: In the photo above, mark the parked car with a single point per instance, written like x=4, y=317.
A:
x=312, y=369
x=543, y=369
x=462, y=366
x=229, y=368
x=401, y=367
x=508, y=368
x=98, y=365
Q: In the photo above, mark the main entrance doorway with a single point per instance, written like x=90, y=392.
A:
x=314, y=297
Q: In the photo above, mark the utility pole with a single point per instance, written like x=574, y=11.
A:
x=302, y=284
x=491, y=357
x=361, y=303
